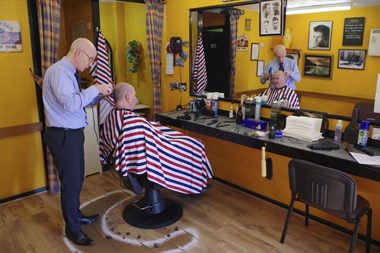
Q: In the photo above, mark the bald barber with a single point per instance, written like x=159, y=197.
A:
x=64, y=103
x=281, y=63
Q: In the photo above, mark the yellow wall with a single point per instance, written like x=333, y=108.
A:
x=22, y=165
x=122, y=23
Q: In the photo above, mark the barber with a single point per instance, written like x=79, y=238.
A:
x=281, y=63
x=64, y=104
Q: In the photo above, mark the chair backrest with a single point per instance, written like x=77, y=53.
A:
x=322, y=187
x=367, y=111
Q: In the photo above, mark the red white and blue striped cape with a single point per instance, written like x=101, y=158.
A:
x=282, y=93
x=199, y=68
x=171, y=159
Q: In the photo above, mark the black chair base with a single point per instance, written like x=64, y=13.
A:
x=146, y=220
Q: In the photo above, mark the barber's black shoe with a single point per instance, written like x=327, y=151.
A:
x=79, y=238
x=88, y=219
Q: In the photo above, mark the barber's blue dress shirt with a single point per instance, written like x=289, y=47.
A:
x=63, y=100
x=289, y=64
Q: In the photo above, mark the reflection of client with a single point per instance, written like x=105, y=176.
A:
x=321, y=36
x=281, y=92
x=169, y=158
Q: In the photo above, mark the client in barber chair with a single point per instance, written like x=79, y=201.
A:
x=280, y=91
x=169, y=158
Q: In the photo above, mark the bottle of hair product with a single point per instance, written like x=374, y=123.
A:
x=231, y=111
x=363, y=133
x=338, y=131
x=275, y=111
x=208, y=101
x=239, y=115
x=258, y=108
x=214, y=103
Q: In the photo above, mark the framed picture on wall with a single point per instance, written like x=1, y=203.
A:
x=271, y=17
x=260, y=68
x=254, y=51
x=320, y=35
x=351, y=59
x=293, y=56
x=319, y=66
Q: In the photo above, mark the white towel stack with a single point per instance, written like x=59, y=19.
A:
x=303, y=128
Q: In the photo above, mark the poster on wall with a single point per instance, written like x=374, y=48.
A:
x=271, y=17
x=353, y=31
x=10, y=36
x=242, y=43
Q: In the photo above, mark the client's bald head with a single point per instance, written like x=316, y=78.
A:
x=125, y=96
x=278, y=79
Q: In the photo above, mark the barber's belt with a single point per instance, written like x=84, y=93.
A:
x=64, y=129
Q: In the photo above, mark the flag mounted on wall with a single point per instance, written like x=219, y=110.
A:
x=199, y=68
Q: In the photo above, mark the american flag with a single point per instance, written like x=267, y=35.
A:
x=101, y=70
x=169, y=158
x=199, y=68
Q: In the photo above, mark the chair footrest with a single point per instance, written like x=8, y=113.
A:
x=141, y=204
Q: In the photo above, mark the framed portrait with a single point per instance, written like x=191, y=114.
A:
x=319, y=66
x=260, y=68
x=294, y=56
x=320, y=35
x=254, y=51
x=351, y=59
x=271, y=17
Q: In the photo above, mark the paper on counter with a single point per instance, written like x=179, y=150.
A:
x=366, y=159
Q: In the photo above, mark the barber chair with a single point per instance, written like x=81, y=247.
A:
x=152, y=210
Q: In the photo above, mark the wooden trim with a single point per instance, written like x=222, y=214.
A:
x=20, y=130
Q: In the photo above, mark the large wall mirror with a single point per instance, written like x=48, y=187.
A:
x=214, y=26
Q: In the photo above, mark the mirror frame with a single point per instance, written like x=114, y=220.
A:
x=200, y=9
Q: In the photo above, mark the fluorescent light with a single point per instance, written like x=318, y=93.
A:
x=318, y=8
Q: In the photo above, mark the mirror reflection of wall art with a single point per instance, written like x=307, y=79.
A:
x=248, y=24
x=319, y=66
x=351, y=59
x=254, y=51
x=242, y=43
x=320, y=35
x=260, y=68
x=271, y=17
x=293, y=56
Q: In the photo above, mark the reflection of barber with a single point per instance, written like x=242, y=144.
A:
x=266, y=10
x=283, y=63
x=321, y=36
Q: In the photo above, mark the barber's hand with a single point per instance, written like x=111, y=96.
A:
x=288, y=72
x=104, y=89
x=266, y=75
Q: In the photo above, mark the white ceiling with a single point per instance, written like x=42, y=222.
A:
x=355, y=3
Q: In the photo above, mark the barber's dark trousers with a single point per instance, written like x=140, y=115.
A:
x=66, y=147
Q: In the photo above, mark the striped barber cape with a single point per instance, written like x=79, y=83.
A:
x=169, y=158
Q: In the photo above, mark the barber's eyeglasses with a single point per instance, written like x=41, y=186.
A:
x=91, y=59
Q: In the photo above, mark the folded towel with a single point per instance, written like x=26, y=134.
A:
x=304, y=128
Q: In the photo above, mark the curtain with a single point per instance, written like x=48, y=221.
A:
x=49, y=27
x=234, y=19
x=154, y=20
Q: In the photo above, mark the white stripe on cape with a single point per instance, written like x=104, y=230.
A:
x=170, y=158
